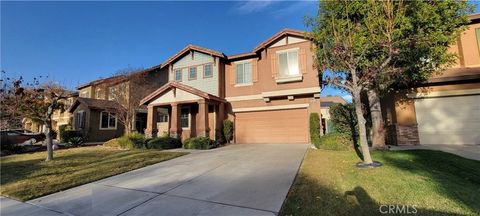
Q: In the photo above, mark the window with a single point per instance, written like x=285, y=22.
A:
x=288, y=63
x=192, y=73
x=112, y=92
x=185, y=117
x=207, y=71
x=477, y=31
x=162, y=117
x=84, y=94
x=178, y=75
x=80, y=120
x=108, y=120
x=244, y=73
x=98, y=93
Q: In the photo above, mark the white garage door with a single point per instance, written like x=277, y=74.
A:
x=449, y=120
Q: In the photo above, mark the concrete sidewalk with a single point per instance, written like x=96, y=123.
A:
x=466, y=151
x=232, y=180
x=12, y=207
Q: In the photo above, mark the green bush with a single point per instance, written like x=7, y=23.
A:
x=67, y=134
x=314, y=127
x=163, y=143
x=76, y=141
x=132, y=141
x=334, y=141
x=228, y=130
x=199, y=143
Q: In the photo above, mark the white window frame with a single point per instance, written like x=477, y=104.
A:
x=211, y=70
x=108, y=128
x=189, y=118
x=175, y=71
x=291, y=77
x=251, y=73
x=190, y=73
x=77, y=127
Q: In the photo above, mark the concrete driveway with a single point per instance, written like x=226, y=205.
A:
x=232, y=180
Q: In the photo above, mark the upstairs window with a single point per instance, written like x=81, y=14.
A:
x=178, y=75
x=108, y=121
x=98, y=94
x=192, y=73
x=288, y=63
x=207, y=71
x=84, y=94
x=243, y=73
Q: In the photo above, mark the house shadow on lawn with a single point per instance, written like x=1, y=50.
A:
x=310, y=198
x=457, y=177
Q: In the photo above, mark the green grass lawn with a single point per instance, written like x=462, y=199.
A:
x=436, y=183
x=28, y=176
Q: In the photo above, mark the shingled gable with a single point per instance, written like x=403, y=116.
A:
x=174, y=85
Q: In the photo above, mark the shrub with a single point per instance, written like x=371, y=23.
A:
x=228, y=130
x=344, y=119
x=163, y=143
x=334, y=141
x=113, y=143
x=199, y=143
x=314, y=127
x=76, y=141
x=66, y=135
x=132, y=141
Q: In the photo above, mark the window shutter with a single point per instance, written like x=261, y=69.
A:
x=303, y=61
x=232, y=74
x=254, y=71
x=273, y=61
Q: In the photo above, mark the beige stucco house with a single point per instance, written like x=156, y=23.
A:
x=446, y=109
x=268, y=93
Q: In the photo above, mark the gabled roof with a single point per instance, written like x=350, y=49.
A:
x=113, y=79
x=187, y=49
x=277, y=36
x=93, y=104
x=174, y=84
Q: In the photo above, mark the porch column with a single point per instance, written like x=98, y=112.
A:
x=202, y=120
x=174, y=121
x=221, y=116
x=151, y=130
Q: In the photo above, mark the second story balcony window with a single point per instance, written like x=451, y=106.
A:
x=243, y=73
x=192, y=73
x=178, y=75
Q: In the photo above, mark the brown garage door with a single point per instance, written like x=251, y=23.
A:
x=279, y=126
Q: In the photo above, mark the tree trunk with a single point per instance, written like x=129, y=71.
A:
x=367, y=159
x=48, y=125
x=378, y=129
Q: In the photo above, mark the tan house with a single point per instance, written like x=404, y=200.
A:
x=94, y=110
x=59, y=117
x=446, y=109
x=268, y=93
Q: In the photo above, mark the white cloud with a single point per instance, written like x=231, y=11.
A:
x=347, y=97
x=252, y=6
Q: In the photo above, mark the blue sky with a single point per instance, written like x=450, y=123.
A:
x=76, y=42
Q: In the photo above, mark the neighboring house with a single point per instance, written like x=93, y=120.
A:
x=325, y=104
x=94, y=111
x=59, y=117
x=446, y=109
x=268, y=93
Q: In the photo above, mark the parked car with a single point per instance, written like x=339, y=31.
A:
x=16, y=136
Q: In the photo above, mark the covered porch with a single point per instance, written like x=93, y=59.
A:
x=182, y=112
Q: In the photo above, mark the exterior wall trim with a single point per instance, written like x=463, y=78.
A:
x=288, y=92
x=265, y=108
x=444, y=93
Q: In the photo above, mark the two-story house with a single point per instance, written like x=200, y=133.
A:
x=268, y=93
x=94, y=111
x=445, y=109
